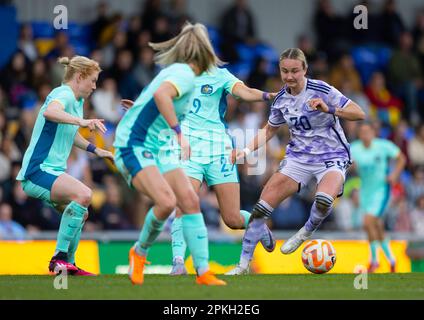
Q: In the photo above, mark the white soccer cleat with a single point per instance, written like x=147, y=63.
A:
x=294, y=242
x=237, y=271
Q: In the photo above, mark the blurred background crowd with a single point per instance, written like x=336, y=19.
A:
x=381, y=68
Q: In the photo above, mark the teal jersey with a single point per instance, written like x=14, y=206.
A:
x=51, y=142
x=143, y=124
x=373, y=163
x=205, y=121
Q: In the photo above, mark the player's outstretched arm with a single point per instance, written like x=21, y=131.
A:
x=399, y=166
x=83, y=144
x=242, y=91
x=55, y=112
x=258, y=141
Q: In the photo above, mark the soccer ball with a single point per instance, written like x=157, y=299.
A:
x=318, y=256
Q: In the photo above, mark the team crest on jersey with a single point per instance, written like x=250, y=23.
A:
x=147, y=154
x=206, y=89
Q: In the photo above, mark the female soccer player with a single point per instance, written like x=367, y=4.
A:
x=149, y=160
x=372, y=157
x=317, y=149
x=211, y=146
x=43, y=169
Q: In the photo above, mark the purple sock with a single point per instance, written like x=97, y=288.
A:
x=251, y=238
x=316, y=218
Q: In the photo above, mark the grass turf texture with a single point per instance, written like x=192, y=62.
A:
x=257, y=287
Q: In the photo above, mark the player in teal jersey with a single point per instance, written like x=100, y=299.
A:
x=372, y=157
x=44, y=164
x=148, y=158
x=211, y=147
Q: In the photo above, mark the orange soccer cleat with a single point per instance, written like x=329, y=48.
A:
x=209, y=279
x=136, y=270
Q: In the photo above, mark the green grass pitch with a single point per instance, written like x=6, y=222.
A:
x=251, y=287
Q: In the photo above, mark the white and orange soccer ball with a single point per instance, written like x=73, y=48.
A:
x=319, y=256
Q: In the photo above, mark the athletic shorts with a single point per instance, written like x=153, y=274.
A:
x=132, y=160
x=374, y=202
x=216, y=170
x=302, y=173
x=39, y=185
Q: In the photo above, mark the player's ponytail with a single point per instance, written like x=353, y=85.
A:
x=78, y=64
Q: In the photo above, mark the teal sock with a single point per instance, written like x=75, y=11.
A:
x=246, y=215
x=196, y=237
x=374, y=247
x=70, y=223
x=73, y=245
x=151, y=229
x=178, y=243
x=385, y=245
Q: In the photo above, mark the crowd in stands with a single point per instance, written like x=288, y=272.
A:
x=381, y=68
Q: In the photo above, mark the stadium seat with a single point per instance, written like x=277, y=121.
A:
x=42, y=29
x=369, y=59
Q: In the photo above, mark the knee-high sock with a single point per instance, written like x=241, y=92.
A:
x=178, y=243
x=246, y=216
x=196, y=237
x=374, y=247
x=316, y=217
x=152, y=227
x=73, y=246
x=70, y=223
x=385, y=245
x=251, y=237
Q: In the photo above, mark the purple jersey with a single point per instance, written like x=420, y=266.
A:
x=315, y=136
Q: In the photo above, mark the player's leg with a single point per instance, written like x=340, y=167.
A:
x=74, y=199
x=328, y=188
x=385, y=244
x=371, y=228
x=194, y=228
x=278, y=188
x=152, y=183
x=228, y=195
x=179, y=245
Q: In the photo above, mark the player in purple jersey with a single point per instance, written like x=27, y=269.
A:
x=317, y=149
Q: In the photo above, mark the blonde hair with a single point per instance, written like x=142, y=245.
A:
x=295, y=54
x=191, y=45
x=80, y=64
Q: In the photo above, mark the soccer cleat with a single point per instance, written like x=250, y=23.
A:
x=373, y=266
x=178, y=269
x=57, y=266
x=267, y=240
x=209, y=279
x=295, y=241
x=81, y=272
x=237, y=271
x=393, y=267
x=136, y=269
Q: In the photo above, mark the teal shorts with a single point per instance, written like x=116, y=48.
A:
x=215, y=171
x=131, y=160
x=374, y=203
x=39, y=185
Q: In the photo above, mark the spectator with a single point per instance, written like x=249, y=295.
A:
x=237, y=26
x=347, y=213
x=111, y=215
x=392, y=25
x=417, y=216
x=9, y=229
x=152, y=10
x=161, y=30
x=384, y=105
x=405, y=76
x=416, y=147
x=101, y=22
x=110, y=51
x=415, y=188
x=145, y=69
x=107, y=102
x=345, y=70
x=26, y=42
x=418, y=35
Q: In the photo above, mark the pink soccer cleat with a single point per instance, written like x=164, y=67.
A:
x=57, y=266
x=373, y=266
x=81, y=272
